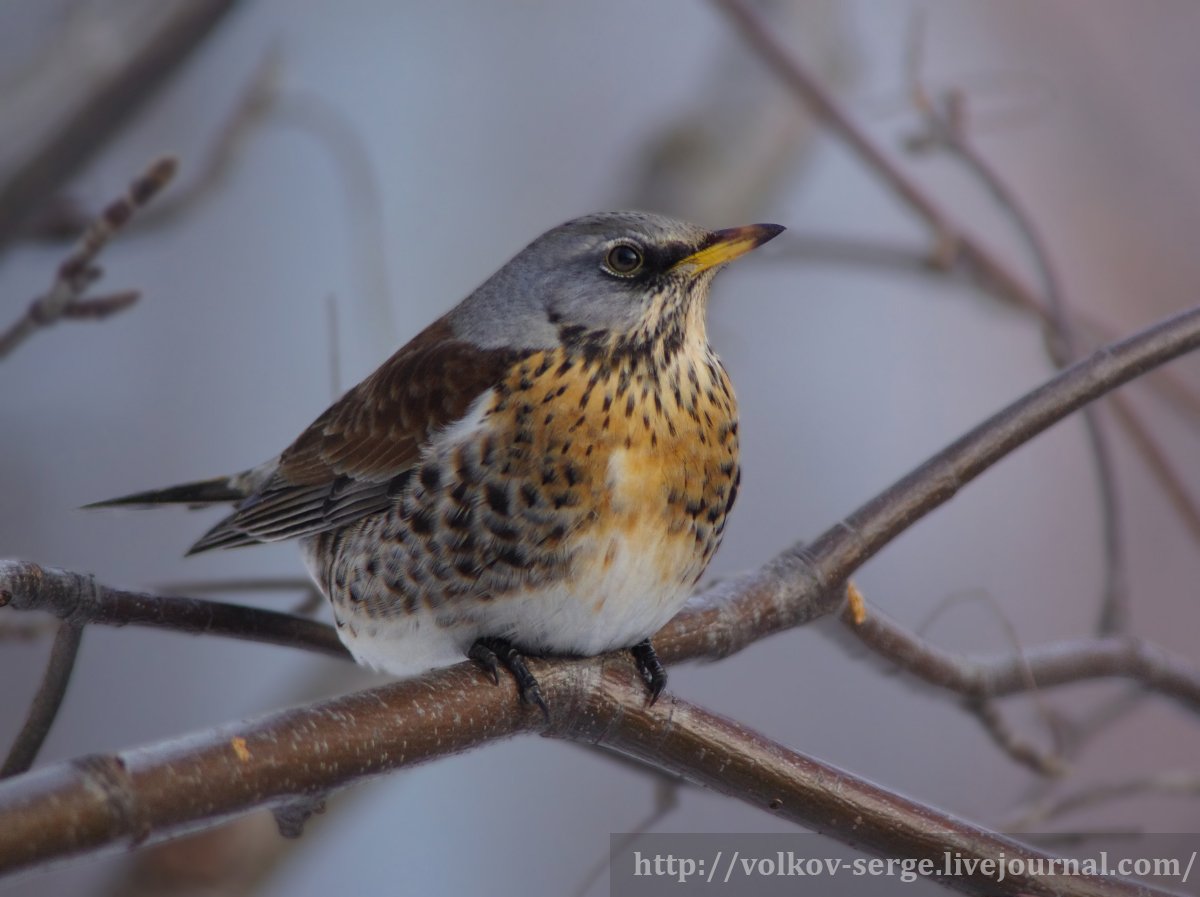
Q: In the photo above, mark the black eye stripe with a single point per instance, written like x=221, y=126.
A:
x=655, y=258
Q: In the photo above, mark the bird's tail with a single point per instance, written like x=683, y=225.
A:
x=200, y=494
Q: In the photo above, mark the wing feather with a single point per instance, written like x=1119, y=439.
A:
x=353, y=460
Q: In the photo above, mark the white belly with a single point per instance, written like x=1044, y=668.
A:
x=617, y=599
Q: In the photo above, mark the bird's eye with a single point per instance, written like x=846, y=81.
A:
x=624, y=259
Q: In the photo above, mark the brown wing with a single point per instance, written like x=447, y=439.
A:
x=356, y=457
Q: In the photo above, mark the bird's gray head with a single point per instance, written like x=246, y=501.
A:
x=608, y=273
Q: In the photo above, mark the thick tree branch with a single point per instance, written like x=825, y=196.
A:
x=144, y=795
x=720, y=754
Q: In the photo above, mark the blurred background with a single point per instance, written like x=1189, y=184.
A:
x=399, y=154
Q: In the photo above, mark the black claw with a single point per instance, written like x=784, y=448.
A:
x=486, y=658
x=650, y=667
x=489, y=652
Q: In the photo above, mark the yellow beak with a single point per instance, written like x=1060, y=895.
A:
x=724, y=246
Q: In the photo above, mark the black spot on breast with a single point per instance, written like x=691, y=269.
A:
x=464, y=467
x=430, y=477
x=421, y=521
x=501, y=530
x=397, y=483
x=733, y=491
x=512, y=556
x=460, y=518
x=497, y=498
x=529, y=495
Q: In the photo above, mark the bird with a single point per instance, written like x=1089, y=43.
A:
x=546, y=469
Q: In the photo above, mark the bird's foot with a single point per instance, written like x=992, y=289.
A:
x=491, y=653
x=650, y=667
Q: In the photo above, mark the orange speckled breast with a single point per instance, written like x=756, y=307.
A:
x=646, y=449
x=575, y=506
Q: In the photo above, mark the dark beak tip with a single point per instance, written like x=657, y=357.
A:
x=770, y=232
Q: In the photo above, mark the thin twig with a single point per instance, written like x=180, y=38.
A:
x=953, y=243
x=1006, y=738
x=78, y=598
x=78, y=270
x=1160, y=466
x=97, y=308
x=1044, y=763
x=86, y=90
x=1036, y=667
x=946, y=128
x=44, y=708
x=250, y=109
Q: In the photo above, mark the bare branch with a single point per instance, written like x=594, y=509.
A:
x=80, y=599
x=87, y=89
x=144, y=795
x=946, y=127
x=248, y=111
x=1020, y=750
x=46, y=702
x=78, y=270
x=1037, y=667
x=728, y=758
x=953, y=243
x=1160, y=466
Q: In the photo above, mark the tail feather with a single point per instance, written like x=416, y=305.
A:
x=200, y=494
